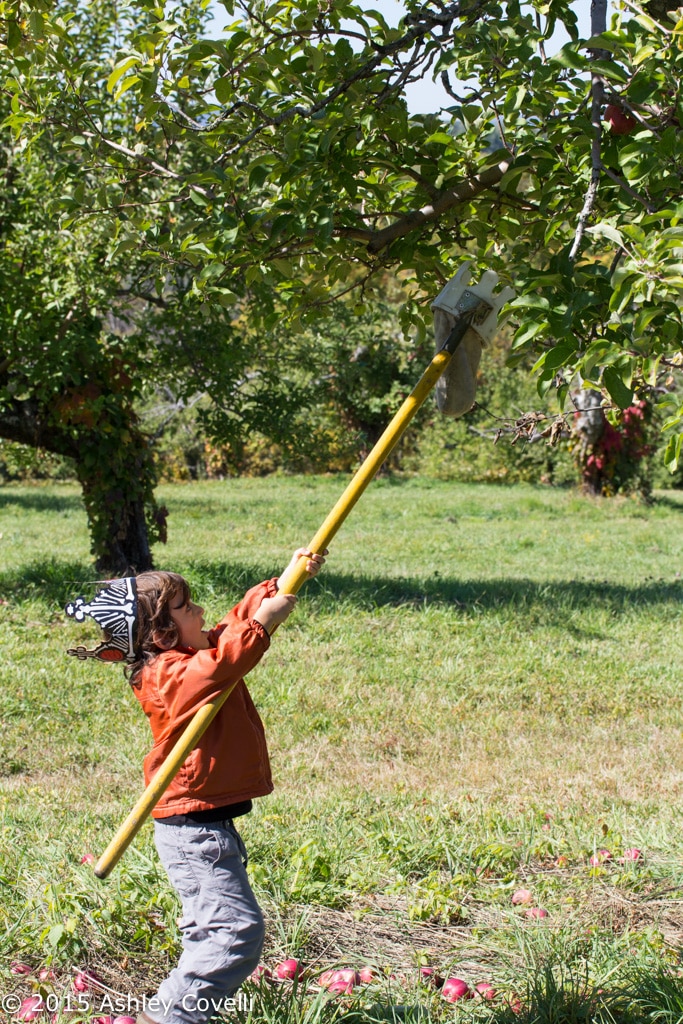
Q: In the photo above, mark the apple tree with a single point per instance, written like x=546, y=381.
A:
x=275, y=166
x=86, y=330
x=67, y=382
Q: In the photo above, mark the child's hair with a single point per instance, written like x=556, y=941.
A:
x=155, y=591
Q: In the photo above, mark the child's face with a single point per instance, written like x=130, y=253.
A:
x=189, y=618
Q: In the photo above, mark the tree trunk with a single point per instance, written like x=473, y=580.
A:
x=115, y=468
x=118, y=528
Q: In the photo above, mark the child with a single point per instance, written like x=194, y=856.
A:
x=176, y=668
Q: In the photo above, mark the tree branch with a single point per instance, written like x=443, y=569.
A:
x=143, y=158
x=598, y=26
x=26, y=422
x=627, y=188
x=461, y=193
x=420, y=27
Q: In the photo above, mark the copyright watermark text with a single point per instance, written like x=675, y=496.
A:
x=112, y=1003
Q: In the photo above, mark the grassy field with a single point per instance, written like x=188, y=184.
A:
x=480, y=692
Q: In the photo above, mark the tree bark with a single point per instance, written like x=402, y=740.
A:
x=115, y=468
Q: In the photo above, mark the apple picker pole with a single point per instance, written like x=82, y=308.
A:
x=465, y=318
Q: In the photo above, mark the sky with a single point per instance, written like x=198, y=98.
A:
x=428, y=96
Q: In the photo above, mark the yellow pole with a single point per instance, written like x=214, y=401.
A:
x=291, y=582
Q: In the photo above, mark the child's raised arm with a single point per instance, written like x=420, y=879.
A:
x=273, y=611
x=314, y=563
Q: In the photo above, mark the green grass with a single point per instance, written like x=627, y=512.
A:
x=481, y=690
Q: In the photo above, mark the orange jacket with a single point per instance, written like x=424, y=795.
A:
x=230, y=762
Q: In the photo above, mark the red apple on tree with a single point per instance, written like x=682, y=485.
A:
x=620, y=123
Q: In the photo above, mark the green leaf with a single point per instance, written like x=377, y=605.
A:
x=672, y=455
x=258, y=173
x=529, y=302
x=224, y=89
x=644, y=318
x=603, y=230
x=561, y=354
x=527, y=331
x=610, y=70
x=620, y=394
x=14, y=36
x=441, y=137
x=624, y=288
x=123, y=246
x=126, y=84
x=512, y=176
x=120, y=70
x=567, y=57
x=37, y=23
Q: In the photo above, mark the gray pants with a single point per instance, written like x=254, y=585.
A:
x=222, y=924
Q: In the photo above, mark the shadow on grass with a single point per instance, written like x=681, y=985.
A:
x=669, y=501
x=482, y=595
x=57, y=581
x=50, y=580
x=37, y=500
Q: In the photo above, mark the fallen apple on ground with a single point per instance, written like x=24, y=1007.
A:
x=485, y=990
x=31, y=1008
x=455, y=989
x=534, y=913
x=16, y=968
x=340, y=988
x=261, y=972
x=341, y=981
x=84, y=981
x=430, y=977
x=522, y=896
x=289, y=970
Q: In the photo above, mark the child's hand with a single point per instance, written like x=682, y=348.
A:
x=274, y=610
x=314, y=563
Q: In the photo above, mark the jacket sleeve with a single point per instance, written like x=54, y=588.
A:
x=250, y=602
x=186, y=683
